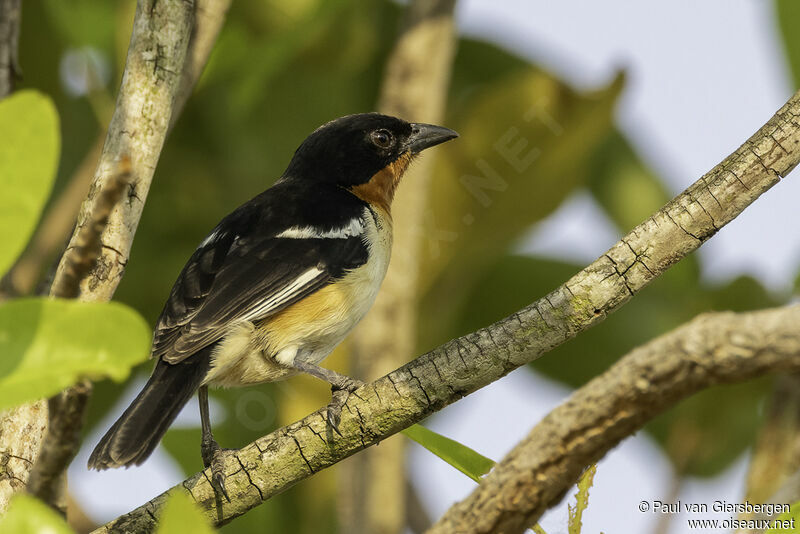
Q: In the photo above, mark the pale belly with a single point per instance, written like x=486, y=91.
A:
x=308, y=330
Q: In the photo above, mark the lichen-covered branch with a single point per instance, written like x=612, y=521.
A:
x=440, y=377
x=81, y=256
x=712, y=349
x=371, y=497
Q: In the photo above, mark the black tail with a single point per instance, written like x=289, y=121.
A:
x=137, y=432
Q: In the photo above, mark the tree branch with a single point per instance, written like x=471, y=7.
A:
x=440, y=377
x=712, y=349
x=95, y=259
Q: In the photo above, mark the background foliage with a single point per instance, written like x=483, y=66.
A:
x=279, y=70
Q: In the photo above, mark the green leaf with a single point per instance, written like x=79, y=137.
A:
x=789, y=521
x=49, y=344
x=29, y=148
x=29, y=515
x=181, y=515
x=466, y=460
x=788, y=13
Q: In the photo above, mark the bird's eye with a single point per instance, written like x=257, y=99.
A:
x=381, y=138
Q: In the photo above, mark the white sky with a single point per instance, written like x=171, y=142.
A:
x=703, y=76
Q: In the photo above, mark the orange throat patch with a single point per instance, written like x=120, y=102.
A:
x=379, y=190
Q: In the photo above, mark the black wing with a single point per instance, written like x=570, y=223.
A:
x=240, y=274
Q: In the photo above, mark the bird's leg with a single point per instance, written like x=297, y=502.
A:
x=213, y=454
x=341, y=387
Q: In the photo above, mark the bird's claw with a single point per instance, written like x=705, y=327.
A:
x=214, y=457
x=339, y=395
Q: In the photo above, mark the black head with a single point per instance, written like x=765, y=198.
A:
x=351, y=150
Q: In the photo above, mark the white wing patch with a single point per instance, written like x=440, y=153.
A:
x=212, y=237
x=354, y=228
x=276, y=299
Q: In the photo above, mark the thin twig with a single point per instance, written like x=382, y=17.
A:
x=81, y=256
x=440, y=377
x=712, y=349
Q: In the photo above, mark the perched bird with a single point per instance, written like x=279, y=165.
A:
x=278, y=283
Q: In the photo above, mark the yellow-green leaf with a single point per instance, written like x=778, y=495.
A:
x=181, y=515
x=28, y=515
x=49, y=344
x=29, y=149
x=471, y=463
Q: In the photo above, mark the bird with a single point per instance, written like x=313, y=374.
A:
x=277, y=284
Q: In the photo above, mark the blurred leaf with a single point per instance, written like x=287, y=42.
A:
x=743, y=293
x=521, y=153
x=524, y=147
x=49, y=344
x=471, y=463
x=29, y=515
x=275, y=47
x=787, y=520
x=182, y=516
x=29, y=146
x=623, y=185
x=83, y=22
x=788, y=13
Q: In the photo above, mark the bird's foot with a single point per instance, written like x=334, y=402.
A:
x=340, y=392
x=214, y=457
